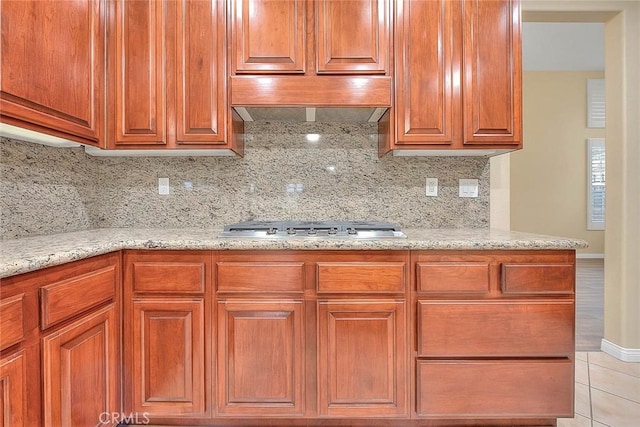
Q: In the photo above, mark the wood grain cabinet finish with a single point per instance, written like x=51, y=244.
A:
x=13, y=390
x=168, y=75
x=261, y=358
x=361, y=277
x=53, y=68
x=458, y=76
x=80, y=370
x=362, y=359
x=12, y=320
x=167, y=333
x=260, y=276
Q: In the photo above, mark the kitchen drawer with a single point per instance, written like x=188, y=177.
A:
x=495, y=388
x=495, y=328
x=168, y=272
x=537, y=278
x=11, y=320
x=64, y=299
x=267, y=276
x=362, y=277
x=453, y=277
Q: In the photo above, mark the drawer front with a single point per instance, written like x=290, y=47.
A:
x=368, y=277
x=169, y=277
x=260, y=276
x=453, y=277
x=495, y=328
x=504, y=388
x=11, y=321
x=64, y=299
x=538, y=278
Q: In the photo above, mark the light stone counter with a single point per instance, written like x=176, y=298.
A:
x=33, y=253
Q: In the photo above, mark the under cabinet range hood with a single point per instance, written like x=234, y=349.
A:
x=312, y=114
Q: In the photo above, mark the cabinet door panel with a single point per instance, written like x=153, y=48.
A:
x=353, y=36
x=361, y=359
x=140, y=72
x=166, y=356
x=428, y=105
x=200, y=56
x=80, y=370
x=261, y=358
x=492, y=72
x=13, y=390
x=268, y=36
x=12, y=320
x=495, y=388
x=53, y=65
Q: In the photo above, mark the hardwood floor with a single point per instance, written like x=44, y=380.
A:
x=589, y=304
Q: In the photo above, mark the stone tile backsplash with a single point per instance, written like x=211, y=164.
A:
x=284, y=175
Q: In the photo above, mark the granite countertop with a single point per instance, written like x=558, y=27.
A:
x=33, y=253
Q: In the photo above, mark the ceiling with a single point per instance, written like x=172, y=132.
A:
x=562, y=46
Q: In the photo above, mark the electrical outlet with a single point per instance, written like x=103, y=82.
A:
x=431, y=189
x=163, y=186
x=468, y=188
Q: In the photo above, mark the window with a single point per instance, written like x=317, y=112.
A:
x=595, y=103
x=596, y=184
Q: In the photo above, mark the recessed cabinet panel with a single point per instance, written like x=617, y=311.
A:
x=428, y=107
x=369, y=277
x=495, y=328
x=169, y=272
x=168, y=356
x=80, y=369
x=538, y=278
x=200, y=59
x=268, y=36
x=453, y=277
x=352, y=36
x=260, y=276
x=495, y=388
x=13, y=390
x=261, y=358
x=361, y=362
x=492, y=72
x=140, y=72
x=53, y=66
x=12, y=320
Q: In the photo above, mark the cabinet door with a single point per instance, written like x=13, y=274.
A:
x=361, y=359
x=13, y=390
x=139, y=67
x=268, y=36
x=80, y=371
x=165, y=355
x=53, y=67
x=352, y=36
x=492, y=89
x=428, y=105
x=260, y=358
x=199, y=65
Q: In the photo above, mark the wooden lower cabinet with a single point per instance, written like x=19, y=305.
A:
x=261, y=358
x=361, y=359
x=166, y=357
x=80, y=371
x=13, y=390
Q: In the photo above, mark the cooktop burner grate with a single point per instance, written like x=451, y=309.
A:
x=313, y=229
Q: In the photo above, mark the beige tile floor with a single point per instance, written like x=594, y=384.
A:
x=607, y=392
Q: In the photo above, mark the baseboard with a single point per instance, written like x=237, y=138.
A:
x=589, y=256
x=621, y=353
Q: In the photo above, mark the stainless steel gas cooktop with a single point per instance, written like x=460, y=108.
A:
x=313, y=229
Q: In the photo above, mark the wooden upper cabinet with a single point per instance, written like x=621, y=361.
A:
x=428, y=108
x=352, y=36
x=268, y=36
x=168, y=75
x=140, y=68
x=492, y=91
x=52, y=62
x=458, y=75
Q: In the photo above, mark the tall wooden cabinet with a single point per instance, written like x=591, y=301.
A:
x=458, y=76
x=167, y=76
x=53, y=68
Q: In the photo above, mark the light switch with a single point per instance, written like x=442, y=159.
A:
x=468, y=188
x=431, y=187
